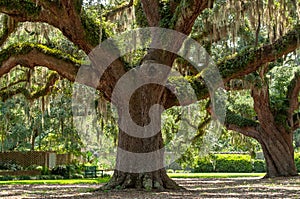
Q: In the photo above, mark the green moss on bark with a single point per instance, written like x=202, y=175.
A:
x=29, y=8
x=25, y=48
x=235, y=119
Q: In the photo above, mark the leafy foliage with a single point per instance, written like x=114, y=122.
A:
x=233, y=163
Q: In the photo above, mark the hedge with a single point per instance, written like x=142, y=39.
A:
x=234, y=163
x=204, y=165
x=259, y=166
x=297, y=161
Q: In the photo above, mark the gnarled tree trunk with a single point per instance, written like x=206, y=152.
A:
x=275, y=138
x=278, y=152
x=140, y=155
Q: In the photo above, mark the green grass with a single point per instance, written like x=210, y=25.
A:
x=104, y=180
x=214, y=175
x=63, y=181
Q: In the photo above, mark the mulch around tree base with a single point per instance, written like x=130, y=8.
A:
x=195, y=188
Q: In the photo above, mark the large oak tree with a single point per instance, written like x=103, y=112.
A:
x=73, y=20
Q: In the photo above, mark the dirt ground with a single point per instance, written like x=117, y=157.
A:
x=195, y=188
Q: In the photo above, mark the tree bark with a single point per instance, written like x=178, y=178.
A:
x=279, y=153
x=275, y=138
x=140, y=155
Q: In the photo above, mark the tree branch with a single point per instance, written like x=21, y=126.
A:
x=292, y=95
x=242, y=125
x=119, y=9
x=13, y=84
x=241, y=64
x=262, y=107
x=31, y=55
x=64, y=15
x=186, y=14
x=53, y=77
x=151, y=10
x=250, y=60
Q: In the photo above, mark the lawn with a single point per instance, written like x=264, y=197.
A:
x=106, y=179
x=60, y=181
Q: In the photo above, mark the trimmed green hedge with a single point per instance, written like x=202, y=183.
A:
x=259, y=166
x=203, y=166
x=297, y=161
x=233, y=163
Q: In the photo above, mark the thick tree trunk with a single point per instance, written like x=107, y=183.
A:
x=140, y=155
x=279, y=153
x=275, y=138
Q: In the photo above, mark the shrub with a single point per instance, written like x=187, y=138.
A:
x=61, y=170
x=259, y=166
x=204, y=165
x=24, y=178
x=50, y=177
x=233, y=163
x=6, y=178
x=44, y=170
x=10, y=166
x=297, y=161
x=76, y=176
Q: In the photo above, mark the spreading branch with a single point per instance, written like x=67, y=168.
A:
x=151, y=10
x=64, y=15
x=242, y=125
x=119, y=9
x=241, y=64
x=250, y=60
x=31, y=55
x=13, y=84
x=187, y=12
x=53, y=77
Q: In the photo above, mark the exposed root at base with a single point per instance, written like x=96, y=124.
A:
x=156, y=181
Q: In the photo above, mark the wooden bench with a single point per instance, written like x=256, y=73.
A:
x=91, y=172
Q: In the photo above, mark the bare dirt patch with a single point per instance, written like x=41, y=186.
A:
x=195, y=188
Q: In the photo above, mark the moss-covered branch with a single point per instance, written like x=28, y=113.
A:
x=64, y=15
x=45, y=90
x=250, y=60
x=20, y=8
x=235, y=119
x=243, y=63
x=119, y=9
x=186, y=14
x=31, y=55
x=240, y=124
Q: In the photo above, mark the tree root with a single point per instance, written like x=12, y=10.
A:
x=157, y=180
